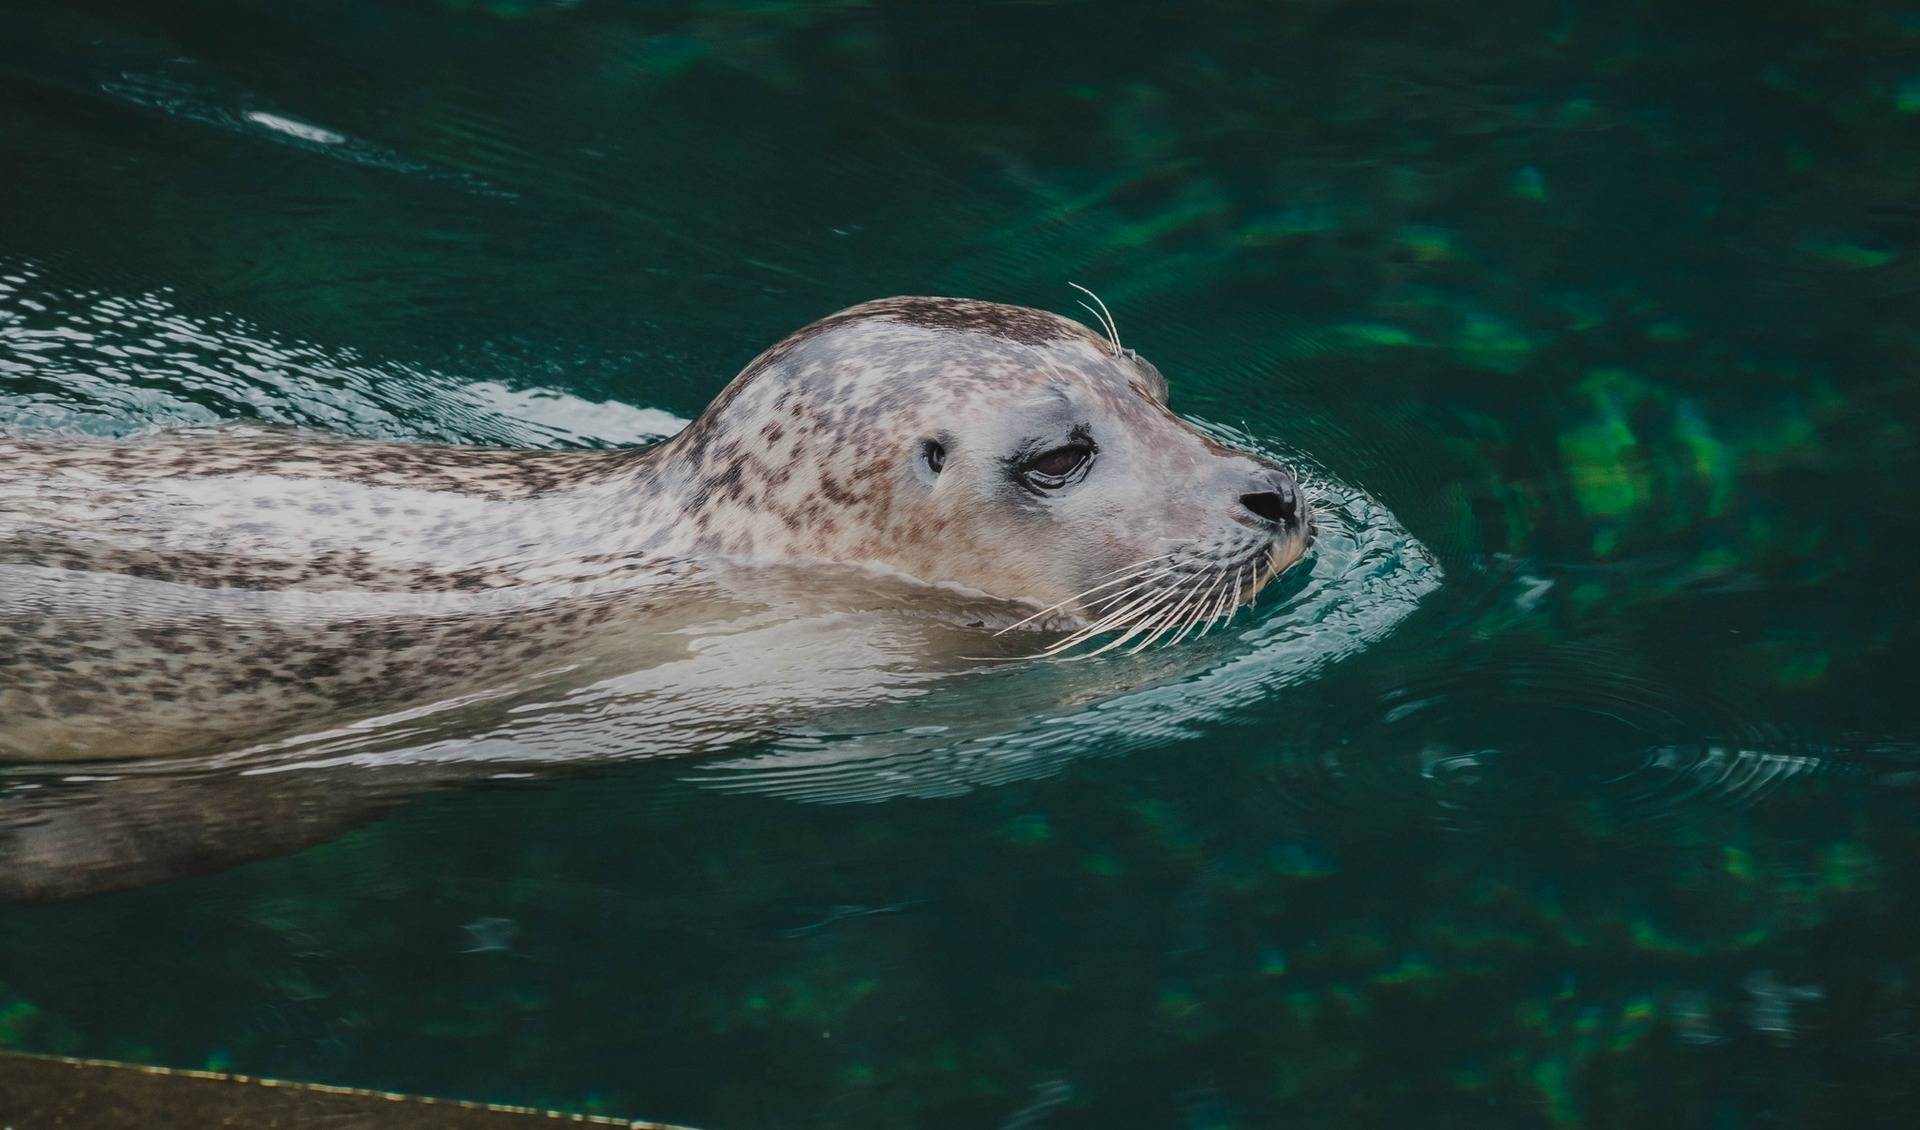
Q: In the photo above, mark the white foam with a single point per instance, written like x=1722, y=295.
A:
x=301, y=130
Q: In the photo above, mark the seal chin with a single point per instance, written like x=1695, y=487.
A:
x=1279, y=557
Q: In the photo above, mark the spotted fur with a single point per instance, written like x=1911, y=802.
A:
x=191, y=589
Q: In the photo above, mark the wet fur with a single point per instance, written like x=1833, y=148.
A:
x=187, y=590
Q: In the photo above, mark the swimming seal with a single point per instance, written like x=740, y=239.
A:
x=193, y=590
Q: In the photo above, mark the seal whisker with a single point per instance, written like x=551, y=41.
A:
x=1105, y=316
x=1163, y=618
x=1206, y=597
x=1210, y=616
x=1116, y=619
x=1225, y=615
x=1133, y=580
x=1203, y=618
x=1174, y=617
x=1075, y=639
x=1187, y=620
x=1194, y=619
x=1097, y=318
x=1139, y=595
x=1129, y=573
x=1182, y=614
x=1124, y=615
x=1121, y=639
x=1171, y=620
x=1233, y=602
x=1213, y=614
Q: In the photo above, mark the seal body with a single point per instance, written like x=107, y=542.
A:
x=200, y=589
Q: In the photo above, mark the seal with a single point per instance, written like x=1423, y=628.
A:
x=198, y=589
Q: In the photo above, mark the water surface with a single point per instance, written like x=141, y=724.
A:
x=1569, y=783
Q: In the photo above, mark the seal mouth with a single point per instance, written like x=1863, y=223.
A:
x=1166, y=598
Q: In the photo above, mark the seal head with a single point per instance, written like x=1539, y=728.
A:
x=1004, y=449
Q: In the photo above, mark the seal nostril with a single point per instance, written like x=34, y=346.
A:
x=1278, y=507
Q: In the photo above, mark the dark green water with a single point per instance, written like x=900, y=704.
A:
x=1600, y=809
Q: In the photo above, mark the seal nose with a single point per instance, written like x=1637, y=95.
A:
x=1279, y=504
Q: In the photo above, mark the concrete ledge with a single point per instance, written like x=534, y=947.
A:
x=55, y=1093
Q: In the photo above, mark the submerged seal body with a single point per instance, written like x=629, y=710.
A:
x=195, y=590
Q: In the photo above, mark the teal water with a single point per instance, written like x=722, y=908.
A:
x=1572, y=784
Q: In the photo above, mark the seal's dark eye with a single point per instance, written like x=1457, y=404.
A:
x=1058, y=463
x=934, y=454
x=1051, y=470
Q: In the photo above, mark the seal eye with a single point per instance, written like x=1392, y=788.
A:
x=934, y=455
x=1051, y=470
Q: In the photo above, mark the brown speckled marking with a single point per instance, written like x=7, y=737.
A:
x=193, y=589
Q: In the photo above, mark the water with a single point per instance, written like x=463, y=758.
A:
x=1571, y=785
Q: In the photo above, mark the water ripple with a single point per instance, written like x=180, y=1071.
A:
x=84, y=361
x=188, y=91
